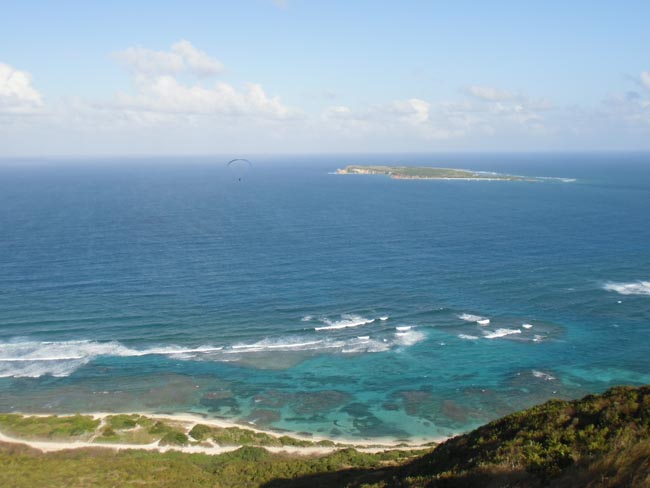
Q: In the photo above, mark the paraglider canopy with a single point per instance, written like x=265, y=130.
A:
x=239, y=167
x=239, y=161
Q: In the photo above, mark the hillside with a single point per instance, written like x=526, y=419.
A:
x=598, y=441
x=555, y=440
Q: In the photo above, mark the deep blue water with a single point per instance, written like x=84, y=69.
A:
x=297, y=299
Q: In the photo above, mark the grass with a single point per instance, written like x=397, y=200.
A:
x=139, y=429
x=235, y=436
x=50, y=427
x=598, y=441
x=22, y=467
x=546, y=439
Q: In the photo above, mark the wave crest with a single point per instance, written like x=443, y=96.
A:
x=634, y=288
x=34, y=359
x=347, y=320
x=501, y=333
x=468, y=317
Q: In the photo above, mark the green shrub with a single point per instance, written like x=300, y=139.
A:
x=200, y=432
x=120, y=422
x=174, y=439
x=48, y=427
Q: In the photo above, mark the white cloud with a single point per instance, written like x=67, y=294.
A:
x=337, y=112
x=17, y=95
x=490, y=110
x=165, y=94
x=182, y=58
x=489, y=94
x=408, y=119
x=172, y=107
x=159, y=89
x=645, y=78
x=413, y=110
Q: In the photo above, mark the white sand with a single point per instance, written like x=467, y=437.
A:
x=188, y=421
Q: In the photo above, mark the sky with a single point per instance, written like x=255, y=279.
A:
x=305, y=76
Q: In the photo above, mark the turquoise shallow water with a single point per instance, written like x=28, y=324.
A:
x=348, y=306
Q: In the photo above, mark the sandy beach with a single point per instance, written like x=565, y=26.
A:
x=187, y=421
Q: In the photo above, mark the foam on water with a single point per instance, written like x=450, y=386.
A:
x=409, y=337
x=555, y=178
x=527, y=326
x=543, y=376
x=468, y=317
x=467, y=337
x=501, y=333
x=296, y=344
x=356, y=346
x=347, y=320
x=634, y=288
x=35, y=359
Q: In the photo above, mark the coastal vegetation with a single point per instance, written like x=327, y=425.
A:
x=598, y=441
x=599, y=437
x=236, y=436
x=50, y=427
x=142, y=429
x=22, y=466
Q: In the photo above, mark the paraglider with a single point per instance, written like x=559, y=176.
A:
x=239, y=166
x=240, y=161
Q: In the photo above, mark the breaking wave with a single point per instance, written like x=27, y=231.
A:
x=467, y=337
x=279, y=345
x=468, y=317
x=347, y=320
x=635, y=288
x=409, y=337
x=501, y=333
x=34, y=359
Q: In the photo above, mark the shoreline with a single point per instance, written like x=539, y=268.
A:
x=189, y=420
x=445, y=178
x=446, y=174
x=430, y=173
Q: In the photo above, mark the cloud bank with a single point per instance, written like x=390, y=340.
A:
x=178, y=101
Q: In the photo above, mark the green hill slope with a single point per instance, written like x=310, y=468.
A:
x=598, y=441
x=598, y=438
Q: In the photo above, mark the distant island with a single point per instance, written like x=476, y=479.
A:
x=428, y=173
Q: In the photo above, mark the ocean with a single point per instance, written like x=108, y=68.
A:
x=284, y=296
